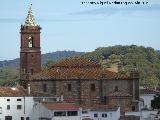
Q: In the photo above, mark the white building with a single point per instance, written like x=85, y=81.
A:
x=144, y=114
x=18, y=104
x=56, y=111
x=14, y=105
x=69, y=111
x=147, y=95
x=108, y=114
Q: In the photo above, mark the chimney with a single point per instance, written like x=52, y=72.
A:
x=61, y=98
x=29, y=89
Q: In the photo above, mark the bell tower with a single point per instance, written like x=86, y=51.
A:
x=30, y=53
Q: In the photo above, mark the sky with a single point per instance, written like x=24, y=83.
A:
x=71, y=25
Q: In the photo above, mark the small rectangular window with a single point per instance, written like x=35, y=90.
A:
x=22, y=118
x=93, y=88
x=19, y=99
x=8, y=99
x=104, y=115
x=8, y=107
x=8, y=117
x=19, y=107
x=60, y=113
x=27, y=118
x=69, y=87
x=84, y=112
x=72, y=113
x=133, y=108
x=95, y=114
x=44, y=88
x=32, y=71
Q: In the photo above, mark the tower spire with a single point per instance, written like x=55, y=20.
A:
x=30, y=20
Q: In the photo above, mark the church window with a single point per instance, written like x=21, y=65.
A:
x=31, y=71
x=93, y=88
x=44, y=88
x=69, y=87
x=116, y=88
x=30, y=44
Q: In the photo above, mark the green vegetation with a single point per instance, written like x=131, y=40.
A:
x=127, y=58
x=9, y=76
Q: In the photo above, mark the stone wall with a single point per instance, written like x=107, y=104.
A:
x=38, y=86
x=89, y=93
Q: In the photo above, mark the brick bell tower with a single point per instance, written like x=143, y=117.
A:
x=30, y=53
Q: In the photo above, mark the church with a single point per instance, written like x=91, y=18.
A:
x=78, y=80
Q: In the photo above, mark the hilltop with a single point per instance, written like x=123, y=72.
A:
x=54, y=56
x=126, y=58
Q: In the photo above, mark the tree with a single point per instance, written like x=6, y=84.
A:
x=155, y=103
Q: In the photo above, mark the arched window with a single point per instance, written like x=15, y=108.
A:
x=30, y=43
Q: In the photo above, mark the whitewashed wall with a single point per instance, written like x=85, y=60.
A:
x=147, y=100
x=40, y=111
x=144, y=114
x=25, y=111
x=111, y=115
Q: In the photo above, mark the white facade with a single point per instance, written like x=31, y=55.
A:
x=147, y=100
x=144, y=114
x=16, y=108
x=105, y=115
x=102, y=115
x=40, y=112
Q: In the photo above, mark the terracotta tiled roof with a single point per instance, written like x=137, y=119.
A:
x=77, y=69
x=76, y=62
x=12, y=92
x=149, y=91
x=20, y=92
x=119, y=93
x=61, y=106
x=76, y=73
x=87, y=119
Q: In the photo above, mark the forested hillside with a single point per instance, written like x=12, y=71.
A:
x=55, y=56
x=9, y=70
x=122, y=58
x=127, y=58
x=9, y=76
